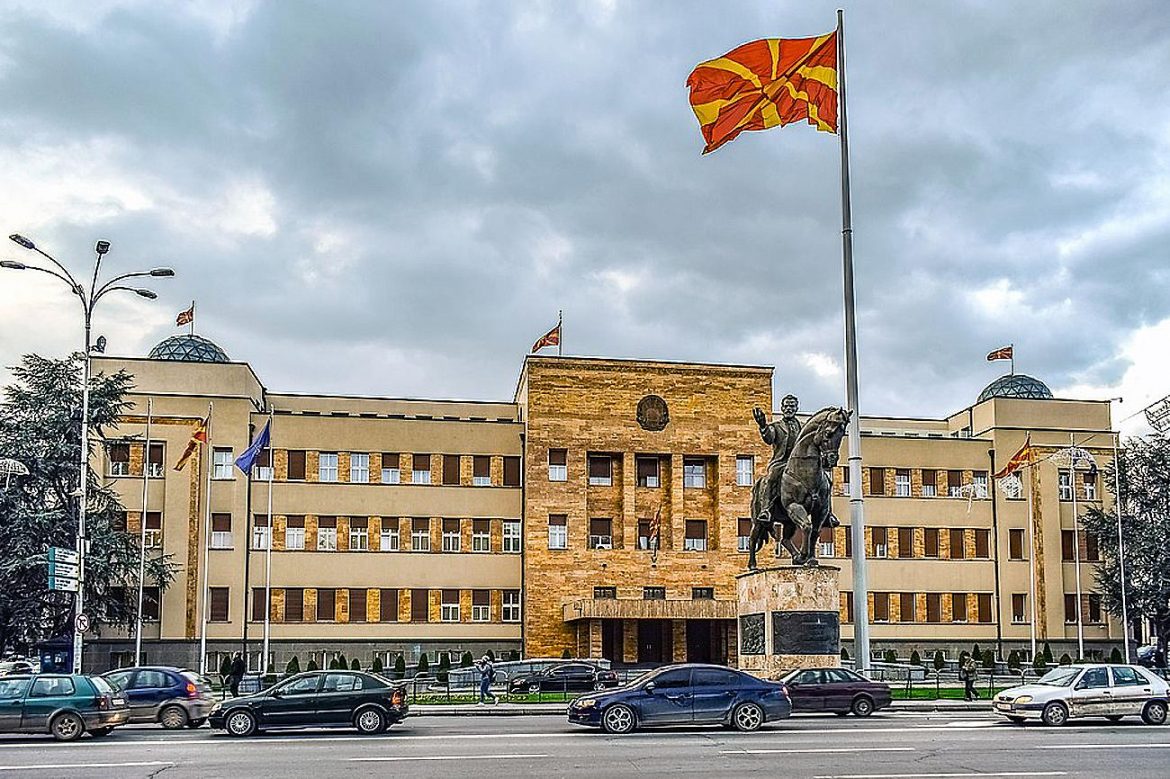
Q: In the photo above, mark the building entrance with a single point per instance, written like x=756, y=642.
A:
x=655, y=643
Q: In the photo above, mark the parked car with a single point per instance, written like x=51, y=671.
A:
x=19, y=666
x=1147, y=656
x=364, y=701
x=568, y=677
x=169, y=696
x=838, y=690
x=61, y=704
x=683, y=695
x=1099, y=690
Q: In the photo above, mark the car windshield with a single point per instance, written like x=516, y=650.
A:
x=1059, y=677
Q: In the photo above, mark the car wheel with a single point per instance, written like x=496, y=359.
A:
x=197, y=723
x=618, y=719
x=747, y=717
x=369, y=722
x=99, y=732
x=67, y=727
x=1113, y=717
x=172, y=717
x=599, y=685
x=240, y=723
x=1018, y=720
x=533, y=689
x=1154, y=713
x=1054, y=714
x=862, y=706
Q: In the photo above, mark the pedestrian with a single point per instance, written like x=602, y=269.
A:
x=237, y=674
x=967, y=672
x=487, y=675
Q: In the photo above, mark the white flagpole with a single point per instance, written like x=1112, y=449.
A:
x=560, y=332
x=268, y=550
x=856, y=502
x=142, y=532
x=206, y=551
x=1117, y=506
x=1072, y=478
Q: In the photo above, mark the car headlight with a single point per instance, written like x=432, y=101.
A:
x=216, y=707
x=1023, y=699
x=586, y=703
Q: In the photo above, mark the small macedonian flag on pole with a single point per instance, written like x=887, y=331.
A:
x=764, y=84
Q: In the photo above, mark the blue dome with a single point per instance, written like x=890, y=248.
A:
x=1016, y=385
x=188, y=348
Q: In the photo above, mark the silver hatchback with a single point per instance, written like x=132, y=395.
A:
x=1091, y=690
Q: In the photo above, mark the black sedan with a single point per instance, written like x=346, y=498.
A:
x=838, y=690
x=316, y=699
x=568, y=677
x=688, y=694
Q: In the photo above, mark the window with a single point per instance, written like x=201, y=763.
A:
x=294, y=604
x=983, y=607
x=357, y=604
x=1127, y=677
x=451, y=533
x=879, y=546
x=1067, y=546
x=326, y=604
x=694, y=472
x=1064, y=485
x=262, y=532
x=481, y=471
x=449, y=606
x=702, y=593
x=294, y=533
x=259, y=604
x=1070, y=609
x=848, y=541
x=389, y=541
x=644, y=534
x=421, y=469
x=1016, y=543
x=217, y=604
x=388, y=605
x=359, y=534
x=152, y=537
x=511, y=536
x=958, y=607
x=954, y=483
x=605, y=593
x=221, y=531
x=1090, y=482
x=341, y=683
x=600, y=533
x=826, y=547
x=647, y=468
x=929, y=483
x=51, y=686
x=1019, y=608
x=979, y=478
x=262, y=467
x=221, y=463
x=958, y=548
x=390, y=472
x=304, y=685
x=451, y=470
x=481, y=605
x=558, y=467
x=695, y=539
x=906, y=610
x=481, y=535
x=1094, y=615
x=296, y=465
x=982, y=543
x=933, y=607
x=881, y=607
x=359, y=468
x=745, y=468
x=511, y=471
x=600, y=470
x=558, y=531
x=877, y=481
x=653, y=593
x=743, y=534
x=511, y=606
x=119, y=459
x=847, y=602
x=327, y=466
x=420, y=534
x=1092, y=548
x=902, y=483
x=845, y=479
x=154, y=460
x=326, y=534
x=905, y=542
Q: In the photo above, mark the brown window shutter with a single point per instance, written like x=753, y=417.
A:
x=511, y=471
x=154, y=520
x=877, y=481
x=906, y=607
x=450, y=526
x=327, y=522
x=958, y=607
x=221, y=523
x=294, y=521
x=359, y=523
x=933, y=607
x=958, y=547
x=599, y=466
x=450, y=597
x=558, y=456
x=420, y=524
x=982, y=543
x=481, y=526
x=219, y=603
x=481, y=597
x=983, y=601
x=905, y=542
x=481, y=466
x=296, y=464
x=954, y=479
x=294, y=604
x=422, y=462
x=419, y=606
x=259, y=605
x=696, y=528
x=326, y=604
x=450, y=469
x=745, y=527
x=388, y=606
x=357, y=604
x=600, y=527
x=558, y=519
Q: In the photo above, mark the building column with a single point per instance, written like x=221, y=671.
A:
x=594, y=638
x=678, y=629
x=629, y=641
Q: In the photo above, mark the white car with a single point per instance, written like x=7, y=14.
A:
x=1110, y=691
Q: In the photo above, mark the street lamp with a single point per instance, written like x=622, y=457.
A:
x=1071, y=457
x=1118, y=506
x=88, y=301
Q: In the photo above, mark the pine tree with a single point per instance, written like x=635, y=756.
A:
x=354, y=665
x=293, y=667
x=1047, y=653
x=988, y=659
x=1065, y=659
x=312, y=665
x=376, y=666
x=844, y=653
x=1115, y=655
x=1013, y=661
x=915, y=658
x=342, y=663
x=444, y=666
x=939, y=661
x=225, y=666
x=466, y=660
x=566, y=655
x=400, y=666
x=424, y=665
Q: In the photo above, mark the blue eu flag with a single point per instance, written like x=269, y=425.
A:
x=244, y=461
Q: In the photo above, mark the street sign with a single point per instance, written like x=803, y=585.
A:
x=59, y=554
x=64, y=570
x=82, y=623
x=62, y=584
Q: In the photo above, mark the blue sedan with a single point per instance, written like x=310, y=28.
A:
x=688, y=694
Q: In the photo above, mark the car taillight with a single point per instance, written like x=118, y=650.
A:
x=192, y=690
x=103, y=702
x=397, y=697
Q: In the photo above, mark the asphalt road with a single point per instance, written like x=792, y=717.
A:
x=885, y=746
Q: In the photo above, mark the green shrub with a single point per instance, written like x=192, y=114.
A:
x=354, y=665
x=939, y=661
x=225, y=666
x=1115, y=655
x=844, y=653
x=465, y=660
x=312, y=666
x=269, y=676
x=491, y=655
x=1013, y=661
x=1065, y=659
x=376, y=666
x=915, y=658
x=444, y=666
x=988, y=659
x=293, y=667
x=566, y=655
x=890, y=656
x=400, y=666
x=424, y=665
x=1047, y=653
x=976, y=652
x=1038, y=663
x=342, y=663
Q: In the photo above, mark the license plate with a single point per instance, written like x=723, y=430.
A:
x=1003, y=706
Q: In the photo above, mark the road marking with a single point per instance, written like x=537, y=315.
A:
x=1108, y=746
x=827, y=750
x=443, y=757
x=62, y=766
x=941, y=776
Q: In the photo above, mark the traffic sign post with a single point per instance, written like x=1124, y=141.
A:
x=59, y=554
x=62, y=584
x=64, y=570
x=81, y=623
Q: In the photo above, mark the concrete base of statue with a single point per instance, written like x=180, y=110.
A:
x=788, y=618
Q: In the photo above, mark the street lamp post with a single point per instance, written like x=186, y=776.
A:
x=88, y=301
x=1073, y=456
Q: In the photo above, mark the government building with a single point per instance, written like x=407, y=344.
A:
x=603, y=511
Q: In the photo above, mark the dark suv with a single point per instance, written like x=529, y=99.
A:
x=169, y=696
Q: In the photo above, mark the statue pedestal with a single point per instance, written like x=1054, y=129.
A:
x=788, y=618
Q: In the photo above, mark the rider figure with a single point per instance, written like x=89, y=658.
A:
x=781, y=436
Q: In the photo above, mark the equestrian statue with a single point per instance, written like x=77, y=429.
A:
x=795, y=491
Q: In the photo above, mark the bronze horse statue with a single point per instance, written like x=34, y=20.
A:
x=806, y=489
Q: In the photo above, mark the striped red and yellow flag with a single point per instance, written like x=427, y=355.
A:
x=766, y=83
x=1019, y=460
x=199, y=436
x=1002, y=353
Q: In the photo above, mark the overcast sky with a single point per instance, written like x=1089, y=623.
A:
x=395, y=198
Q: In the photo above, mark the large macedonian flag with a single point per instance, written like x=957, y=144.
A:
x=766, y=83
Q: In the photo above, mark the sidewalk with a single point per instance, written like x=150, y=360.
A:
x=561, y=709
